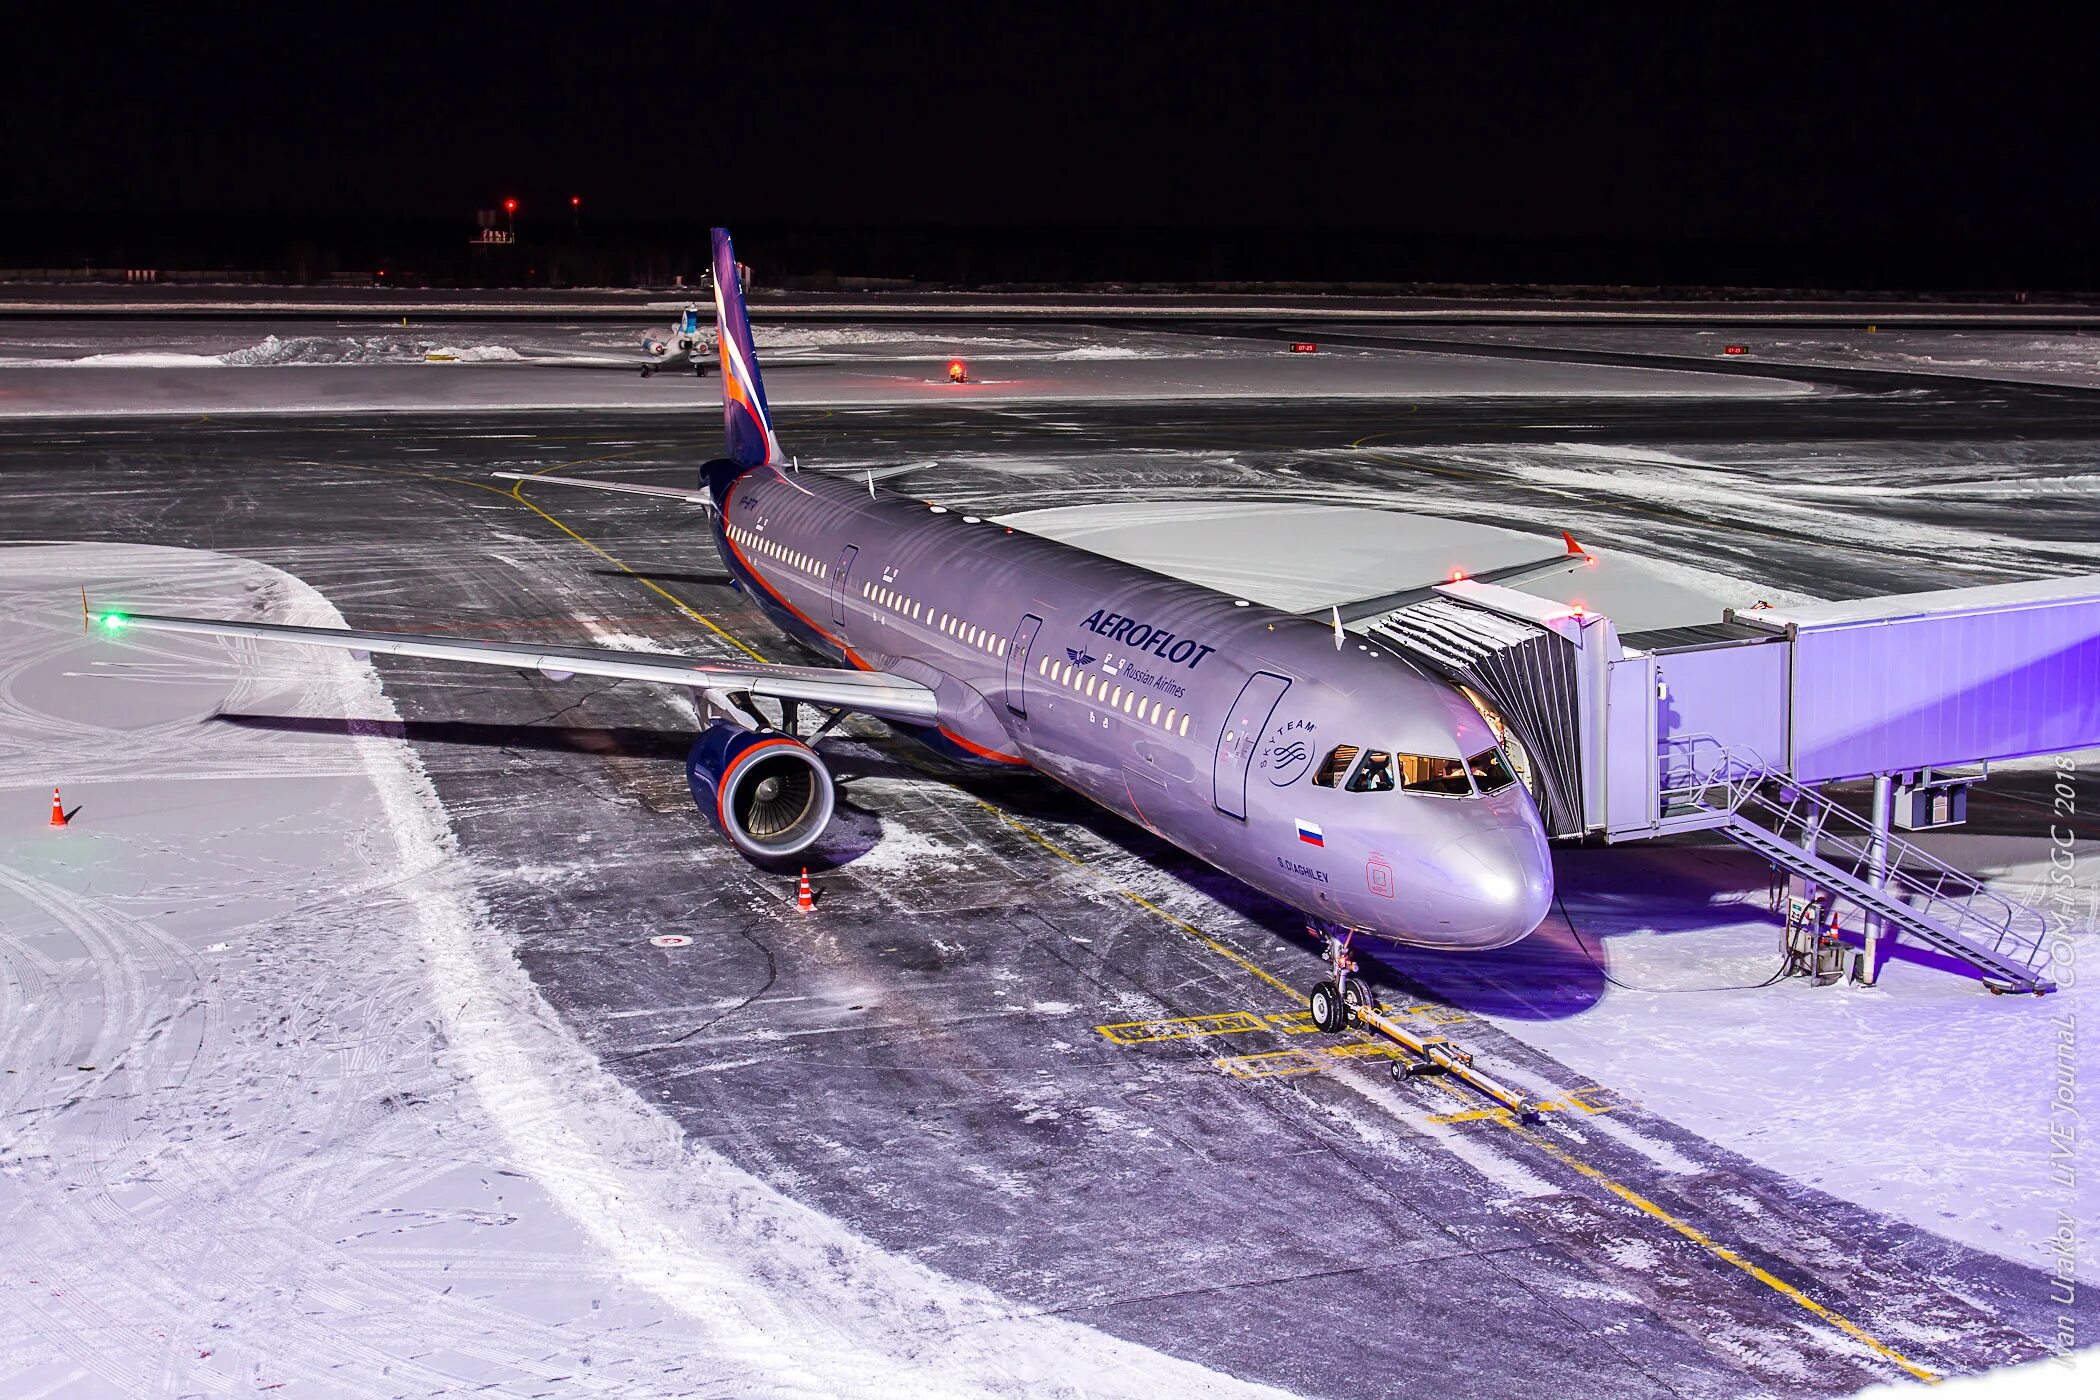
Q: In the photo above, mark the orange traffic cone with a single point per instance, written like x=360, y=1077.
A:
x=804, y=900
x=58, y=809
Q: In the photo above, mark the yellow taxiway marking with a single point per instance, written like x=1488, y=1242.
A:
x=1353, y=1049
x=1182, y=1028
x=1236, y=959
x=516, y=493
x=1718, y=1250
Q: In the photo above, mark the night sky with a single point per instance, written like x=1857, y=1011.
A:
x=1916, y=127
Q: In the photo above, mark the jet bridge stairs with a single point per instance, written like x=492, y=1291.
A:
x=1735, y=727
x=1805, y=834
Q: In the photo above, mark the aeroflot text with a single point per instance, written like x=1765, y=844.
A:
x=1158, y=641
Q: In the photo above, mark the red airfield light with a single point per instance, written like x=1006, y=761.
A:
x=575, y=201
x=510, y=206
x=1735, y=349
x=1304, y=347
x=958, y=372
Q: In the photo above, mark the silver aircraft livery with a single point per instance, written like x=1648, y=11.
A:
x=1326, y=773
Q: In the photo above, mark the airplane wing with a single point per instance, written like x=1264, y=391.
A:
x=873, y=693
x=1573, y=557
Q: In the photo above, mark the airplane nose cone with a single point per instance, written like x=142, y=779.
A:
x=1498, y=886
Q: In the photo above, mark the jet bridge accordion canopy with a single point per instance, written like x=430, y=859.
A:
x=1524, y=658
x=1816, y=694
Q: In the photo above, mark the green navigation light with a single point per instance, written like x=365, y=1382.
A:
x=113, y=621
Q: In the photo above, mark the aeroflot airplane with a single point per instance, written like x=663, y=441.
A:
x=1332, y=776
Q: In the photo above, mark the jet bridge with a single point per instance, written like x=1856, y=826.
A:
x=1733, y=726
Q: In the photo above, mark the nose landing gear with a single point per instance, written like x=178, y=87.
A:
x=1335, y=1001
x=1343, y=999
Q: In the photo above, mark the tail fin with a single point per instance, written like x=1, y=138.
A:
x=744, y=413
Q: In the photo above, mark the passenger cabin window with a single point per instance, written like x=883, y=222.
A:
x=1445, y=777
x=1491, y=772
x=1336, y=764
x=1374, y=774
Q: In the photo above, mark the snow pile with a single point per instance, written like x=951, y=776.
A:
x=128, y=359
x=474, y=354
x=917, y=339
x=1099, y=352
x=358, y=350
x=273, y=351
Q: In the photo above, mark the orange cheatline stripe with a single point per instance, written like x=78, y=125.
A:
x=980, y=750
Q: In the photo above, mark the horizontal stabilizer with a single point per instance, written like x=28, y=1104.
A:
x=670, y=493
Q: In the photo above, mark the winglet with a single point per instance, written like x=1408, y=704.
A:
x=1339, y=635
x=1573, y=548
x=745, y=416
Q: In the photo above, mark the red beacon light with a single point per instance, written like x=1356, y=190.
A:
x=510, y=206
x=958, y=372
x=1458, y=575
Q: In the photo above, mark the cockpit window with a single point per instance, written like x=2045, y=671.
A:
x=1490, y=771
x=1335, y=765
x=1374, y=774
x=1444, y=776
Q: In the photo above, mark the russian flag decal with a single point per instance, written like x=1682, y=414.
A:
x=1311, y=835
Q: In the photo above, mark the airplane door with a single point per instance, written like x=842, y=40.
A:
x=1245, y=723
x=839, y=576
x=1017, y=664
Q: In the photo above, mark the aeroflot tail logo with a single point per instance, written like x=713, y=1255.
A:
x=1141, y=637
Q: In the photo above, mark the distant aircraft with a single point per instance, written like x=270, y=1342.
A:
x=684, y=346
x=1326, y=773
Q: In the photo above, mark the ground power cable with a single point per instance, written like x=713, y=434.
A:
x=1598, y=963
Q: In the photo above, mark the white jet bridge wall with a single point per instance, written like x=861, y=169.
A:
x=1891, y=685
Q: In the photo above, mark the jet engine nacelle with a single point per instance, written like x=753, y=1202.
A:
x=769, y=794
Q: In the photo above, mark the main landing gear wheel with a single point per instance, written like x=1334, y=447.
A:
x=1329, y=1012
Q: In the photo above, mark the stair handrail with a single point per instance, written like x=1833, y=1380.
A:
x=1737, y=768
x=2003, y=917
x=1743, y=774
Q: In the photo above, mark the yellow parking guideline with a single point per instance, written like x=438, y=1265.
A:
x=1274, y=1063
x=1182, y=1028
x=1141, y=902
x=1716, y=1248
x=516, y=494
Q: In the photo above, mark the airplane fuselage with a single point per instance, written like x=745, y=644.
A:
x=1210, y=720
